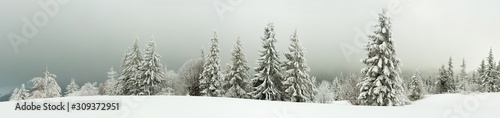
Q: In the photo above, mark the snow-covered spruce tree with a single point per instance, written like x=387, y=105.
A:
x=129, y=70
x=110, y=83
x=14, y=95
x=151, y=72
x=236, y=82
x=210, y=78
x=444, y=83
x=335, y=88
x=72, y=87
x=451, y=76
x=416, y=87
x=489, y=78
x=20, y=94
x=23, y=93
x=476, y=79
x=267, y=82
x=382, y=85
x=45, y=87
x=190, y=73
x=297, y=84
x=463, y=80
x=325, y=93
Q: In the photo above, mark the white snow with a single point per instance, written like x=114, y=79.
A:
x=484, y=105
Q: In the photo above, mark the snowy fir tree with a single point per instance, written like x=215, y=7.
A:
x=463, y=80
x=416, y=87
x=335, y=88
x=444, y=83
x=267, y=82
x=190, y=72
x=129, y=70
x=382, y=85
x=297, y=84
x=72, y=87
x=477, y=79
x=45, y=87
x=236, y=84
x=489, y=76
x=151, y=72
x=23, y=93
x=14, y=95
x=451, y=76
x=210, y=78
x=325, y=93
x=450, y=68
x=20, y=94
x=110, y=83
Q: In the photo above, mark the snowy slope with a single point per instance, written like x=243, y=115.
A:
x=486, y=105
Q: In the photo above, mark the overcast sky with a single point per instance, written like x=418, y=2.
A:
x=87, y=37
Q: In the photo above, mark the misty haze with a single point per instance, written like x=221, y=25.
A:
x=250, y=58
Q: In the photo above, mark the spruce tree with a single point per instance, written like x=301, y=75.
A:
x=382, y=85
x=297, y=83
x=129, y=70
x=14, y=95
x=444, y=84
x=450, y=68
x=237, y=78
x=480, y=71
x=210, y=78
x=72, y=87
x=451, y=76
x=109, y=84
x=267, y=82
x=416, y=87
x=151, y=72
x=336, y=88
x=23, y=93
x=20, y=94
x=489, y=76
x=463, y=79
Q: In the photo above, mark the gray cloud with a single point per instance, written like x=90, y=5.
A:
x=87, y=37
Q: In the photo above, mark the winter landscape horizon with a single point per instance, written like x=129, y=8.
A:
x=281, y=59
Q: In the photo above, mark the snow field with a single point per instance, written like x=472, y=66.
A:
x=484, y=105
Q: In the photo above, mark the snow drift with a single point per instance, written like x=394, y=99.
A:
x=484, y=105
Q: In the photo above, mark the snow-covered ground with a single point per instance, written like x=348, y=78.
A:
x=485, y=105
